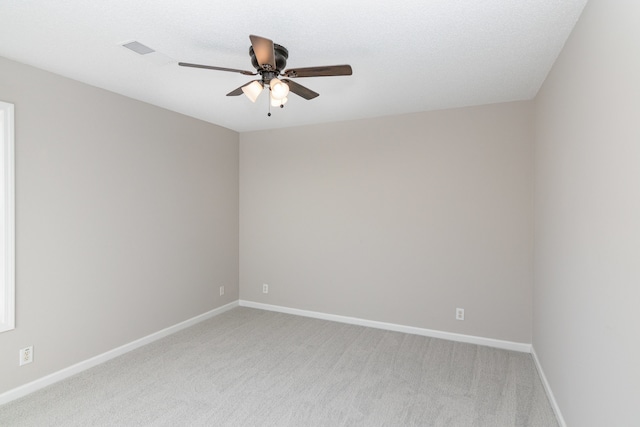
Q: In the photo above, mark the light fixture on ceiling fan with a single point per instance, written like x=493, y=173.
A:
x=278, y=91
x=269, y=59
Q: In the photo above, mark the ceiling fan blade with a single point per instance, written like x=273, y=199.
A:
x=211, y=67
x=263, y=48
x=238, y=91
x=330, y=70
x=300, y=90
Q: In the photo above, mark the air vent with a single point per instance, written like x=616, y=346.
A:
x=138, y=48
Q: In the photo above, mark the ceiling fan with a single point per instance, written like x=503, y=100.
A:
x=269, y=60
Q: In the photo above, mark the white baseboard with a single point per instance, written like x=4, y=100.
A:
x=489, y=342
x=547, y=389
x=25, y=389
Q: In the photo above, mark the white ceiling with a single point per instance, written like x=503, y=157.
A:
x=407, y=56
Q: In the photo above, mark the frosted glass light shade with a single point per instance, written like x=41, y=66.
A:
x=279, y=89
x=278, y=102
x=253, y=90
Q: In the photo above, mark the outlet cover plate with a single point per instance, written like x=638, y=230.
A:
x=26, y=355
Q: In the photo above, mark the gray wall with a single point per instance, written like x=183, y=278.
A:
x=586, y=328
x=397, y=219
x=126, y=220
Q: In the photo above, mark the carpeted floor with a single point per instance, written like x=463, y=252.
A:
x=250, y=367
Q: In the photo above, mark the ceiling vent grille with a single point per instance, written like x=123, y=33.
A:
x=138, y=48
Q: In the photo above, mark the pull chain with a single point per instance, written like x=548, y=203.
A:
x=269, y=101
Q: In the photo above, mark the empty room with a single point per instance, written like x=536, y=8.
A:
x=421, y=213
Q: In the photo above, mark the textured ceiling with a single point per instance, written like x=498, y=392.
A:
x=407, y=56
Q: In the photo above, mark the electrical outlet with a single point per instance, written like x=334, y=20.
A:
x=26, y=355
x=459, y=313
x=221, y=290
x=265, y=288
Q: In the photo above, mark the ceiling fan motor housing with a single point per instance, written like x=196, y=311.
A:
x=281, y=55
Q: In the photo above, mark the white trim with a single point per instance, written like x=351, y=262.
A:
x=7, y=218
x=101, y=358
x=490, y=342
x=547, y=389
